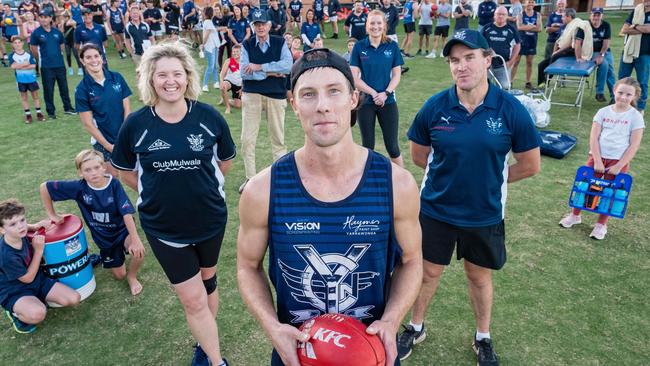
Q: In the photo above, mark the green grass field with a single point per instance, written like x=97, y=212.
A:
x=562, y=298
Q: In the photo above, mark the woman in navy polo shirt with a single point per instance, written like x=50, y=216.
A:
x=102, y=100
x=375, y=63
x=238, y=28
x=309, y=31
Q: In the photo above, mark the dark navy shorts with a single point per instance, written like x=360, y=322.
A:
x=39, y=288
x=114, y=256
x=483, y=246
x=25, y=87
x=409, y=27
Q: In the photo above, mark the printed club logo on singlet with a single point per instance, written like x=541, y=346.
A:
x=355, y=226
x=328, y=282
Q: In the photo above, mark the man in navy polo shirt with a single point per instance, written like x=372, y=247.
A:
x=553, y=25
x=47, y=44
x=265, y=62
x=355, y=23
x=90, y=32
x=503, y=39
x=601, y=35
x=463, y=137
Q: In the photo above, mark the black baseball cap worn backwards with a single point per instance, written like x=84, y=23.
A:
x=320, y=57
x=468, y=37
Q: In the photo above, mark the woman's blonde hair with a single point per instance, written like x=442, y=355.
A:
x=148, y=66
x=380, y=14
x=633, y=83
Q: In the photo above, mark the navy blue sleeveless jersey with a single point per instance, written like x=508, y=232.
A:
x=331, y=257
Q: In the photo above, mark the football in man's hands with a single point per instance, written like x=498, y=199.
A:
x=337, y=340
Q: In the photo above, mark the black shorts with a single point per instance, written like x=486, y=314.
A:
x=319, y=17
x=409, y=27
x=442, y=31
x=114, y=256
x=39, y=288
x=482, y=246
x=190, y=23
x=25, y=87
x=296, y=18
x=425, y=29
x=181, y=264
x=234, y=90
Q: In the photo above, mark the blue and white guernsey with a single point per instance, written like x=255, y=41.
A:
x=331, y=257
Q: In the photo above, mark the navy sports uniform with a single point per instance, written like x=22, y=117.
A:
x=486, y=11
x=96, y=35
x=182, y=201
x=115, y=18
x=238, y=28
x=295, y=7
x=155, y=14
x=553, y=18
x=103, y=210
x=501, y=40
x=26, y=79
x=331, y=257
x=311, y=31
x=376, y=66
x=357, y=25
x=465, y=183
x=172, y=16
x=105, y=101
x=139, y=36
x=319, y=10
x=13, y=265
x=528, y=39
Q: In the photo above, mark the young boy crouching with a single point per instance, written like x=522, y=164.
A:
x=107, y=211
x=24, y=287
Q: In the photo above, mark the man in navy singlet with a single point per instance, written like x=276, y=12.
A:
x=331, y=204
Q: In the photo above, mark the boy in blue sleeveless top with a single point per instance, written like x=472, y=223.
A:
x=329, y=204
x=107, y=211
x=24, y=287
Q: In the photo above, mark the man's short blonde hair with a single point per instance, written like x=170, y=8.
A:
x=148, y=66
x=85, y=155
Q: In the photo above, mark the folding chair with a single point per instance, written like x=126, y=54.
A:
x=567, y=71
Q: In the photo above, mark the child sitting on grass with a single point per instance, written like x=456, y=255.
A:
x=24, y=65
x=107, y=211
x=24, y=287
x=615, y=138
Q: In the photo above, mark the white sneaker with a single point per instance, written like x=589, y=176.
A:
x=570, y=220
x=205, y=88
x=216, y=85
x=80, y=71
x=431, y=55
x=70, y=71
x=599, y=232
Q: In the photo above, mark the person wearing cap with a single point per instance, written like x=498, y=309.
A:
x=554, y=24
x=278, y=18
x=265, y=62
x=636, y=50
x=47, y=44
x=503, y=39
x=90, y=32
x=356, y=210
x=463, y=138
x=601, y=36
x=376, y=64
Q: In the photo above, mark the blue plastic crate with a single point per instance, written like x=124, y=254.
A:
x=598, y=195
